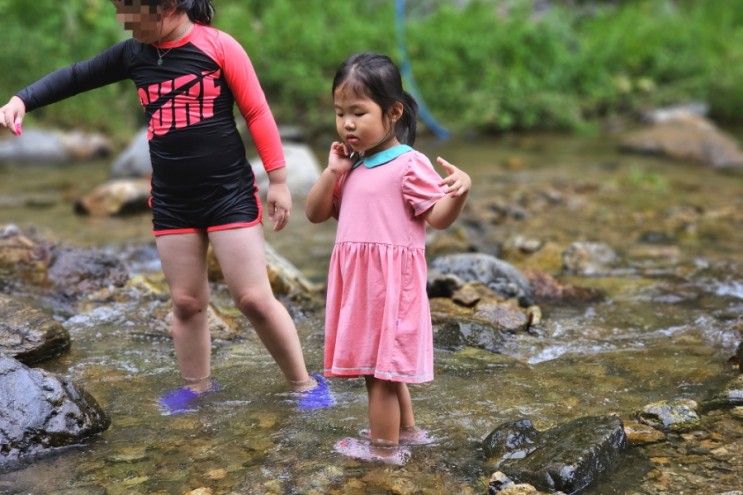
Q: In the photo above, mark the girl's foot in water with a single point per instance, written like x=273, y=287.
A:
x=411, y=435
x=366, y=451
x=184, y=399
x=318, y=396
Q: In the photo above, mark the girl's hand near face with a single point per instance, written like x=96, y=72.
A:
x=11, y=115
x=338, y=158
x=458, y=182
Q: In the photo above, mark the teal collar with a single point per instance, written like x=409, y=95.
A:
x=382, y=157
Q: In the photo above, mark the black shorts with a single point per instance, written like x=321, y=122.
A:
x=205, y=208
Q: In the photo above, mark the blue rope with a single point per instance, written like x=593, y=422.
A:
x=406, y=70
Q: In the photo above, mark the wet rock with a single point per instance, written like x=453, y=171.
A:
x=28, y=334
x=77, y=272
x=42, y=146
x=642, y=434
x=548, y=289
x=455, y=333
x=730, y=396
x=499, y=276
x=512, y=440
x=116, y=197
x=589, y=258
x=466, y=296
x=42, y=412
x=505, y=316
x=503, y=485
x=686, y=137
x=22, y=258
x=498, y=482
x=671, y=415
x=568, y=457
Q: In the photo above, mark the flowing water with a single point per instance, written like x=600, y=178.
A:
x=663, y=331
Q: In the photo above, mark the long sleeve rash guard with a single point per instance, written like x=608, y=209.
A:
x=188, y=102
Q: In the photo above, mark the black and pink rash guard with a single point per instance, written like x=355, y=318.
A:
x=201, y=179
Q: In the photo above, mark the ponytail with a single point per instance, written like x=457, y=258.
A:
x=198, y=11
x=405, y=128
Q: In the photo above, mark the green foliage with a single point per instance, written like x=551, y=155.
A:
x=484, y=65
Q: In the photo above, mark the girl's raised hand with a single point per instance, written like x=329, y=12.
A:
x=339, y=160
x=458, y=182
x=11, y=115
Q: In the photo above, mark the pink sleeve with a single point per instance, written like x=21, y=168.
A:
x=244, y=84
x=420, y=184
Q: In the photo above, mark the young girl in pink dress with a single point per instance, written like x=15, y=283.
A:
x=382, y=192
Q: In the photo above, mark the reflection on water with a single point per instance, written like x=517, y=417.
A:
x=663, y=331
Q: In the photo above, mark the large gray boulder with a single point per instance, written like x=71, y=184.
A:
x=41, y=412
x=568, y=457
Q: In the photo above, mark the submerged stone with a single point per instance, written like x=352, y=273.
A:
x=568, y=457
x=28, y=334
x=455, y=333
x=513, y=440
x=730, y=396
x=642, y=434
x=671, y=415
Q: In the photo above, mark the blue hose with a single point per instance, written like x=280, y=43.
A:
x=406, y=70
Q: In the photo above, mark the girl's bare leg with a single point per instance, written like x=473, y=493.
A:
x=384, y=411
x=407, y=419
x=183, y=258
x=241, y=255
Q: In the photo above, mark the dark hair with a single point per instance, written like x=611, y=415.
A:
x=377, y=76
x=199, y=11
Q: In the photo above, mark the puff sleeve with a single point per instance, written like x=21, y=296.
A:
x=420, y=185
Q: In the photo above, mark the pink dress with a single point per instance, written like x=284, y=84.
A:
x=378, y=321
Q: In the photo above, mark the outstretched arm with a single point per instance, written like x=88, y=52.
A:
x=448, y=208
x=319, y=205
x=105, y=68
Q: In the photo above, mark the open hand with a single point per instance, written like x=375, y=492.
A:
x=457, y=181
x=11, y=115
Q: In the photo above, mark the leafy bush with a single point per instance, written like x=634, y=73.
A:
x=487, y=65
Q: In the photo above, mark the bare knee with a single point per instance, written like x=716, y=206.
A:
x=186, y=306
x=255, y=304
